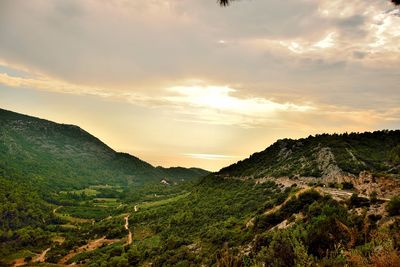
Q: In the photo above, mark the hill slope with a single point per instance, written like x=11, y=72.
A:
x=325, y=156
x=59, y=156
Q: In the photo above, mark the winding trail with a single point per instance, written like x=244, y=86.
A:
x=39, y=259
x=42, y=256
x=91, y=245
x=55, y=210
x=129, y=231
x=19, y=262
x=127, y=226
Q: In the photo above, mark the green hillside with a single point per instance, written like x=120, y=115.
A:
x=323, y=156
x=43, y=164
x=61, y=157
x=66, y=194
x=179, y=173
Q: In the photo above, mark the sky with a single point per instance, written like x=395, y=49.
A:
x=190, y=83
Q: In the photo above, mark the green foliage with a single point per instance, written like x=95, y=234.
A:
x=393, y=207
x=376, y=152
x=373, y=197
x=285, y=249
x=210, y=222
x=60, y=157
x=395, y=155
x=42, y=162
x=356, y=201
x=22, y=217
x=293, y=206
x=347, y=185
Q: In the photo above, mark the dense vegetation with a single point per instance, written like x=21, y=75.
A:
x=323, y=155
x=44, y=165
x=65, y=193
x=193, y=226
x=240, y=223
x=62, y=157
x=23, y=217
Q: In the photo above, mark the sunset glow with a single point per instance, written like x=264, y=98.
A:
x=197, y=84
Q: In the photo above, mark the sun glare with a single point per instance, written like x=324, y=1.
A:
x=224, y=98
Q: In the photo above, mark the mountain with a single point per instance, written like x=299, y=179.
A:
x=330, y=157
x=67, y=198
x=179, y=173
x=61, y=157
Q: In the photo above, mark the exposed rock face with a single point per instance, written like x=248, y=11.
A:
x=384, y=186
x=327, y=165
x=327, y=159
x=284, y=153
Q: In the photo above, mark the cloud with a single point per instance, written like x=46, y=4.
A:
x=218, y=104
x=258, y=61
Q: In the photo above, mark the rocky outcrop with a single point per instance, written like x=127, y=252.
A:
x=327, y=165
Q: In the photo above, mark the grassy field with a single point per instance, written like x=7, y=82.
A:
x=71, y=219
x=20, y=254
x=106, y=202
x=93, y=190
x=152, y=241
x=87, y=191
x=116, y=188
x=147, y=205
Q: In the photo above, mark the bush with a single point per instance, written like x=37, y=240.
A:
x=373, y=197
x=393, y=207
x=347, y=185
x=284, y=250
x=356, y=201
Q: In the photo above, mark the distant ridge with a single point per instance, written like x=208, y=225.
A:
x=327, y=156
x=61, y=156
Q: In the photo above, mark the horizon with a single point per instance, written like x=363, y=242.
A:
x=191, y=84
x=200, y=155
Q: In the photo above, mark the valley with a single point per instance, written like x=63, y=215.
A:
x=326, y=200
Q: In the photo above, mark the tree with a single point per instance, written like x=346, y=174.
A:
x=373, y=197
x=393, y=207
x=395, y=154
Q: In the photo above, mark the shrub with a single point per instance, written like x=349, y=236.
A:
x=356, y=201
x=373, y=197
x=284, y=250
x=393, y=207
x=347, y=185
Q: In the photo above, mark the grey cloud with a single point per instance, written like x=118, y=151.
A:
x=359, y=54
x=137, y=43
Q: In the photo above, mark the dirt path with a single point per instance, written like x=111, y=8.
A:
x=39, y=258
x=19, y=262
x=55, y=210
x=42, y=256
x=92, y=245
x=127, y=228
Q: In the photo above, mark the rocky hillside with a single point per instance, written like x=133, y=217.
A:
x=330, y=157
x=59, y=156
